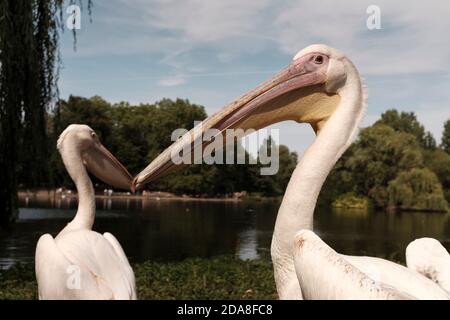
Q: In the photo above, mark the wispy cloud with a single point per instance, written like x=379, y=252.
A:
x=409, y=30
x=239, y=43
x=172, y=81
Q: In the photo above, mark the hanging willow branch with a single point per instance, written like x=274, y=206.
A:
x=29, y=58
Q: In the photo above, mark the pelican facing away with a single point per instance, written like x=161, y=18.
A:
x=321, y=87
x=429, y=257
x=80, y=263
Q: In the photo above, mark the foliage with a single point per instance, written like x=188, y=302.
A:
x=376, y=158
x=417, y=189
x=222, y=277
x=438, y=161
x=407, y=122
x=29, y=36
x=446, y=137
x=351, y=201
x=376, y=165
x=137, y=134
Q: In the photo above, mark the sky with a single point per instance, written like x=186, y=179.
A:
x=212, y=51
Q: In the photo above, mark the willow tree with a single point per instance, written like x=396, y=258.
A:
x=29, y=58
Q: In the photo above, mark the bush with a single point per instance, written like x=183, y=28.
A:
x=351, y=201
x=417, y=189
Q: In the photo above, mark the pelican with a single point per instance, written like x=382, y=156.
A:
x=323, y=88
x=429, y=257
x=80, y=263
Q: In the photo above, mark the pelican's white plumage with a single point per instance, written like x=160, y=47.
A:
x=342, y=279
x=428, y=257
x=80, y=263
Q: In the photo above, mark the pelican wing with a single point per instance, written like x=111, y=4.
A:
x=428, y=257
x=59, y=278
x=127, y=270
x=399, y=277
x=324, y=274
x=99, y=262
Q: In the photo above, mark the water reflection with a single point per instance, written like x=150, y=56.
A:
x=172, y=230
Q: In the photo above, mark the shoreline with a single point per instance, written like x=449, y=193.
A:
x=146, y=195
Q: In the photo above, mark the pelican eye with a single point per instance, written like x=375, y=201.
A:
x=93, y=135
x=318, y=59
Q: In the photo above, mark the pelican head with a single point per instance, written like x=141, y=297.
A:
x=308, y=90
x=79, y=140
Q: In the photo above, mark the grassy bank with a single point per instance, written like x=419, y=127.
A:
x=223, y=277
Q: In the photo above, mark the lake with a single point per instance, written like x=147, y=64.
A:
x=174, y=230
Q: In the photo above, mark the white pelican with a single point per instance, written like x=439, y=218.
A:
x=80, y=263
x=323, y=88
x=429, y=257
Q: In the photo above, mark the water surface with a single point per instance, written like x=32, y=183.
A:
x=174, y=230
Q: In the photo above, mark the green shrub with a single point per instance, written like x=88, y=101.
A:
x=351, y=201
x=417, y=189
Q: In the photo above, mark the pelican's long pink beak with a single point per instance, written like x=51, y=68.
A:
x=301, y=73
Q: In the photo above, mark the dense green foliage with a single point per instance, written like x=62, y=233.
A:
x=417, y=189
x=446, y=137
x=407, y=122
x=351, y=201
x=223, y=277
x=394, y=163
x=439, y=162
x=137, y=134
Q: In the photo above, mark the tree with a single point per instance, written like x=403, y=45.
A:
x=29, y=34
x=407, y=122
x=438, y=161
x=446, y=137
x=417, y=189
x=387, y=165
x=287, y=163
x=378, y=157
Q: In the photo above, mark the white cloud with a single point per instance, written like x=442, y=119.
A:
x=172, y=81
x=411, y=39
x=406, y=63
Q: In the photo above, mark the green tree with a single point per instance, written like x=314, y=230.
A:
x=387, y=154
x=439, y=162
x=417, y=189
x=287, y=163
x=446, y=137
x=142, y=132
x=378, y=157
x=407, y=122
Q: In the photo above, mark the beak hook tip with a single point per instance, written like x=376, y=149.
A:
x=133, y=186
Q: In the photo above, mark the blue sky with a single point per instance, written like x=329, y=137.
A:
x=212, y=51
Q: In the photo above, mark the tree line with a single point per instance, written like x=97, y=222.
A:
x=137, y=134
x=393, y=163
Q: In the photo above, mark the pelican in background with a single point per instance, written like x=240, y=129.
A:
x=321, y=87
x=80, y=263
x=429, y=257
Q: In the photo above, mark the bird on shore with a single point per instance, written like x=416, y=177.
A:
x=80, y=263
x=323, y=88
